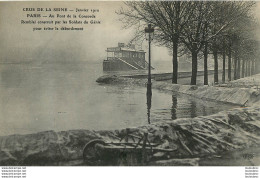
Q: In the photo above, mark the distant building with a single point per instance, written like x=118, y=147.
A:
x=124, y=58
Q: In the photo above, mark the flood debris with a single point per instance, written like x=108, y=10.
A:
x=187, y=138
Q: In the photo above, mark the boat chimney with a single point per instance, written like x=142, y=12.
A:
x=121, y=45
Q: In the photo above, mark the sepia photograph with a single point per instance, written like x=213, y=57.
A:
x=130, y=83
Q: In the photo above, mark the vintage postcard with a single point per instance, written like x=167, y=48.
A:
x=130, y=83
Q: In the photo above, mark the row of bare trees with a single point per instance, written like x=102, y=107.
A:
x=217, y=28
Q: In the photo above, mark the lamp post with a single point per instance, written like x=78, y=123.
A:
x=149, y=36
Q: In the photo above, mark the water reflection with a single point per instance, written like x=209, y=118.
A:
x=149, y=102
x=182, y=107
x=174, y=107
x=193, y=109
x=204, y=111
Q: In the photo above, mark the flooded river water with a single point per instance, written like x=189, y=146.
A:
x=64, y=97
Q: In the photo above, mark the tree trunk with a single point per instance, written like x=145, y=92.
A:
x=194, y=68
x=256, y=66
x=253, y=67
x=238, y=68
x=248, y=68
x=215, y=54
x=224, y=67
x=243, y=68
x=235, y=67
x=175, y=62
x=205, y=52
x=229, y=63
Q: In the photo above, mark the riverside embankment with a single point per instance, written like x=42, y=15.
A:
x=241, y=92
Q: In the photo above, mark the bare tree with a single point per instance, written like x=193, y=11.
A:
x=168, y=17
x=226, y=17
x=208, y=25
x=194, y=34
x=193, y=26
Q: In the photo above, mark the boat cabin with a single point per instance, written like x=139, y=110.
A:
x=124, y=58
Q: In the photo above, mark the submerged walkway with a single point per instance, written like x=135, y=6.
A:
x=184, y=78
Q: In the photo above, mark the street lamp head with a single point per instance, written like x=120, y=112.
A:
x=149, y=29
x=149, y=32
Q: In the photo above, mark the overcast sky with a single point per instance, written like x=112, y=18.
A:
x=18, y=42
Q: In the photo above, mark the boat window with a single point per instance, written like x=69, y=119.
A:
x=118, y=54
x=110, y=54
x=125, y=54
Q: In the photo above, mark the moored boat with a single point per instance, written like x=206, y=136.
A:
x=124, y=58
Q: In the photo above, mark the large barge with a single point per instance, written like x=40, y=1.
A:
x=124, y=58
